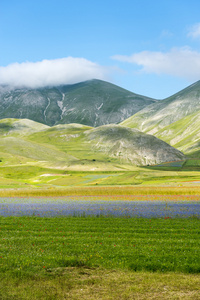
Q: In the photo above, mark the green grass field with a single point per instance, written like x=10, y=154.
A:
x=36, y=177
x=58, y=258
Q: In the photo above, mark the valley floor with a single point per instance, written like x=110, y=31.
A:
x=27, y=177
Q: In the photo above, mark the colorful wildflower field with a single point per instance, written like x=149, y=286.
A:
x=147, y=206
x=141, y=232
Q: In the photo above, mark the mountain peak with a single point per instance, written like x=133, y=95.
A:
x=93, y=103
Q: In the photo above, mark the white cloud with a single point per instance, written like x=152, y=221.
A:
x=51, y=72
x=194, y=31
x=180, y=62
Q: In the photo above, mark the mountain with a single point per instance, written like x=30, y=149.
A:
x=92, y=103
x=76, y=146
x=175, y=120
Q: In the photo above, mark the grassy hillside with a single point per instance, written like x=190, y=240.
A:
x=108, y=144
x=131, y=145
x=175, y=120
x=184, y=134
x=16, y=127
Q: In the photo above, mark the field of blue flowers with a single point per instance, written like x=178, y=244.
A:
x=140, y=206
x=140, y=235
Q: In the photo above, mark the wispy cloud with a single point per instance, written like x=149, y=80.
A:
x=181, y=62
x=51, y=72
x=166, y=34
x=194, y=31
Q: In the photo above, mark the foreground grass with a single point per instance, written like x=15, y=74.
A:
x=30, y=244
x=99, y=258
x=95, y=283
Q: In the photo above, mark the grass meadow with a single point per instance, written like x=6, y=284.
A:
x=99, y=258
x=35, y=175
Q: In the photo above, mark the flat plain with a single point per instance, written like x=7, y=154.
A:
x=101, y=257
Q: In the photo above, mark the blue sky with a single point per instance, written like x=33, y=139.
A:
x=150, y=47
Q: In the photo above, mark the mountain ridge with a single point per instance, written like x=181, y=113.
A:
x=93, y=103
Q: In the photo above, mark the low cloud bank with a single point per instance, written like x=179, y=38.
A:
x=181, y=62
x=67, y=70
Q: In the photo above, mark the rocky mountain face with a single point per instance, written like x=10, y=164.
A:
x=92, y=103
x=175, y=120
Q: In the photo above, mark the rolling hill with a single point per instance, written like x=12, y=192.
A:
x=17, y=127
x=92, y=103
x=175, y=120
x=76, y=146
x=131, y=146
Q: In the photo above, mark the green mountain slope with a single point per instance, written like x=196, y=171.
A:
x=109, y=144
x=175, y=120
x=76, y=146
x=15, y=148
x=92, y=103
x=20, y=127
x=183, y=134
